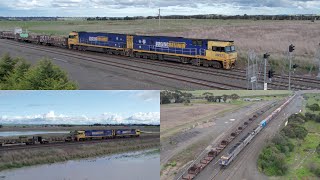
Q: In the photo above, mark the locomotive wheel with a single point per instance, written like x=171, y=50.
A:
x=216, y=65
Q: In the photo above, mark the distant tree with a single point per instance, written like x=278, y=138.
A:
x=314, y=107
x=234, y=96
x=318, y=149
x=1, y=126
x=225, y=97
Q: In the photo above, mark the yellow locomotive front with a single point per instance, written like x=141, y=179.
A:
x=221, y=54
x=73, y=40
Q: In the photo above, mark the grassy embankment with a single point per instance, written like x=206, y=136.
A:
x=274, y=36
x=22, y=158
x=292, y=153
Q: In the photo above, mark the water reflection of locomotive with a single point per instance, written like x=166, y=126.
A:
x=102, y=134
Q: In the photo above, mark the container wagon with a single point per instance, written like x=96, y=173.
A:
x=205, y=52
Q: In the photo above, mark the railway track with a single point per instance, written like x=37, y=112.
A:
x=280, y=82
x=136, y=68
x=150, y=138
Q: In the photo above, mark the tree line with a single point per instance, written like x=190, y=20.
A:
x=214, y=16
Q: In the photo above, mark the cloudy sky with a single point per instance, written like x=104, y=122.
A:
x=120, y=8
x=79, y=107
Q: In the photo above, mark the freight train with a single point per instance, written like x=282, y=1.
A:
x=78, y=135
x=220, y=54
x=102, y=134
x=225, y=160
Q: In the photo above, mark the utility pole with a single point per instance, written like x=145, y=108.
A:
x=265, y=84
x=291, y=49
x=159, y=18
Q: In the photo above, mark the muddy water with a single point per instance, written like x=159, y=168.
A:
x=26, y=133
x=141, y=165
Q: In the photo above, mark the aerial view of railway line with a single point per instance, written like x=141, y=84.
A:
x=170, y=51
x=124, y=136
x=239, y=135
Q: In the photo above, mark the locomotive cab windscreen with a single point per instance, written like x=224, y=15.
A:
x=222, y=51
x=224, y=160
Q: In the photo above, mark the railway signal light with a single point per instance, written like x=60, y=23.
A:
x=295, y=66
x=266, y=55
x=271, y=73
x=291, y=48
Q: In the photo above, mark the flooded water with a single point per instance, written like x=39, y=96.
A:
x=141, y=165
x=26, y=133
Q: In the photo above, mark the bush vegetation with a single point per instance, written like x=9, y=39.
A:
x=272, y=158
x=167, y=97
x=211, y=98
x=17, y=74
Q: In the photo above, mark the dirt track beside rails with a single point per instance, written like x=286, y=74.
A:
x=189, y=144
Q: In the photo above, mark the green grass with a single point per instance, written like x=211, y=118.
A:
x=300, y=152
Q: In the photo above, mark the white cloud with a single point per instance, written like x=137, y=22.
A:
x=148, y=95
x=106, y=118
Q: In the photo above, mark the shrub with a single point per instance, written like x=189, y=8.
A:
x=272, y=162
x=314, y=168
x=18, y=74
x=295, y=131
x=314, y=107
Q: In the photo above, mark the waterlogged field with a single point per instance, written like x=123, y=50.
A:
x=135, y=165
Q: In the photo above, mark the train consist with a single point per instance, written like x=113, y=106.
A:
x=102, y=134
x=214, y=152
x=46, y=40
x=234, y=151
x=225, y=160
x=215, y=53
x=75, y=136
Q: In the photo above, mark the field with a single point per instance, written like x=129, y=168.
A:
x=260, y=36
x=187, y=116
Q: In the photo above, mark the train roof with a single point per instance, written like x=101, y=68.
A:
x=220, y=40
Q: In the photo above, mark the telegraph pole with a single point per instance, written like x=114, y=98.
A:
x=159, y=18
x=265, y=85
x=291, y=49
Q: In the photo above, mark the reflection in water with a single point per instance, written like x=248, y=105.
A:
x=26, y=133
x=141, y=165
